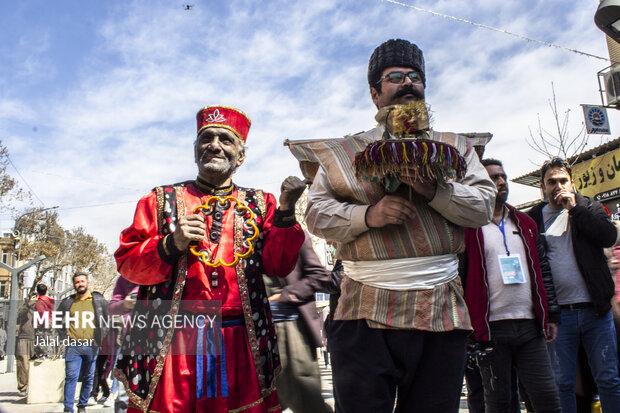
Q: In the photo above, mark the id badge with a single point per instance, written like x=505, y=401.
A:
x=511, y=269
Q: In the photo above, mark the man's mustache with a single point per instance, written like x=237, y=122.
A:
x=408, y=90
x=207, y=154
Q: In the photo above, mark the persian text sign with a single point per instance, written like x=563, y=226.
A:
x=599, y=175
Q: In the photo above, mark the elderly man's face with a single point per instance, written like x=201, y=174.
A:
x=218, y=151
x=394, y=93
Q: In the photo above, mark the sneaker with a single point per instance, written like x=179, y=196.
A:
x=102, y=400
x=91, y=402
x=110, y=401
x=22, y=393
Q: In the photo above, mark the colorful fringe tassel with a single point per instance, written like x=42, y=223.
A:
x=424, y=159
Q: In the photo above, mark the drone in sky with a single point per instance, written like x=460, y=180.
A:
x=188, y=7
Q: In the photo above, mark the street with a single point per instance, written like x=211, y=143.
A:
x=11, y=402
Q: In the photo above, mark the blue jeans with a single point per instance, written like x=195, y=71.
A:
x=79, y=358
x=598, y=336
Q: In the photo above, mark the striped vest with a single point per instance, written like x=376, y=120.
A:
x=429, y=234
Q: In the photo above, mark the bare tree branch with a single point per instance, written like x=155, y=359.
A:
x=559, y=143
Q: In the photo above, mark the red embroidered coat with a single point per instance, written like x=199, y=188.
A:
x=166, y=381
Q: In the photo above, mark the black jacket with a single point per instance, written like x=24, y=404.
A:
x=100, y=306
x=298, y=288
x=553, y=308
x=591, y=231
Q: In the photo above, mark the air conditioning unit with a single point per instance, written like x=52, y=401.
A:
x=612, y=85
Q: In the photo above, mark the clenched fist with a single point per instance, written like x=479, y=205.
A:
x=565, y=198
x=291, y=190
x=190, y=228
x=390, y=210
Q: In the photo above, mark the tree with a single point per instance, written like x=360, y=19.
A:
x=559, y=142
x=83, y=251
x=10, y=191
x=41, y=234
x=104, y=275
x=87, y=254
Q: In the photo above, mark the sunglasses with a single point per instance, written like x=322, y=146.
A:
x=399, y=77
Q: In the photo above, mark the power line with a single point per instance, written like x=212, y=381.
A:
x=24, y=180
x=498, y=30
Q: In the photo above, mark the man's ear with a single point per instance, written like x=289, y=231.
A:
x=374, y=94
x=241, y=157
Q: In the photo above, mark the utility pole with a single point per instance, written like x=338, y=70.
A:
x=10, y=345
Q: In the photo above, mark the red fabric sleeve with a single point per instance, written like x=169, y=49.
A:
x=282, y=244
x=122, y=289
x=137, y=258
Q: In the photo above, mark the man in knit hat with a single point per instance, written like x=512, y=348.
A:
x=400, y=327
x=199, y=244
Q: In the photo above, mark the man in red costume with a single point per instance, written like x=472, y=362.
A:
x=186, y=259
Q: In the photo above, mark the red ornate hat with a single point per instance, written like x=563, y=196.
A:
x=224, y=117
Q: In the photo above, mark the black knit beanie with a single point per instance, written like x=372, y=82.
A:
x=395, y=52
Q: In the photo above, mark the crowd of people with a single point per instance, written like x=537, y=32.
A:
x=89, y=351
x=437, y=279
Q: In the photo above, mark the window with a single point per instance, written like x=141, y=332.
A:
x=5, y=257
x=4, y=289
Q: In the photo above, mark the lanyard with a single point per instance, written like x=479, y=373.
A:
x=502, y=229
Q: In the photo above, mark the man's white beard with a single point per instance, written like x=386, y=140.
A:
x=220, y=168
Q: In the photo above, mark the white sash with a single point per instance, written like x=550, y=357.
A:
x=422, y=273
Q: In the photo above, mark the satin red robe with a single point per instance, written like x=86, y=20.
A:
x=139, y=261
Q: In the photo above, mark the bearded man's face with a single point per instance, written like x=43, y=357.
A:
x=387, y=93
x=218, y=151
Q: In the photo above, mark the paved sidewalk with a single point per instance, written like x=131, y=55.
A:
x=12, y=402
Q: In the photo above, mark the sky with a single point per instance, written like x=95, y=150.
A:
x=98, y=99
